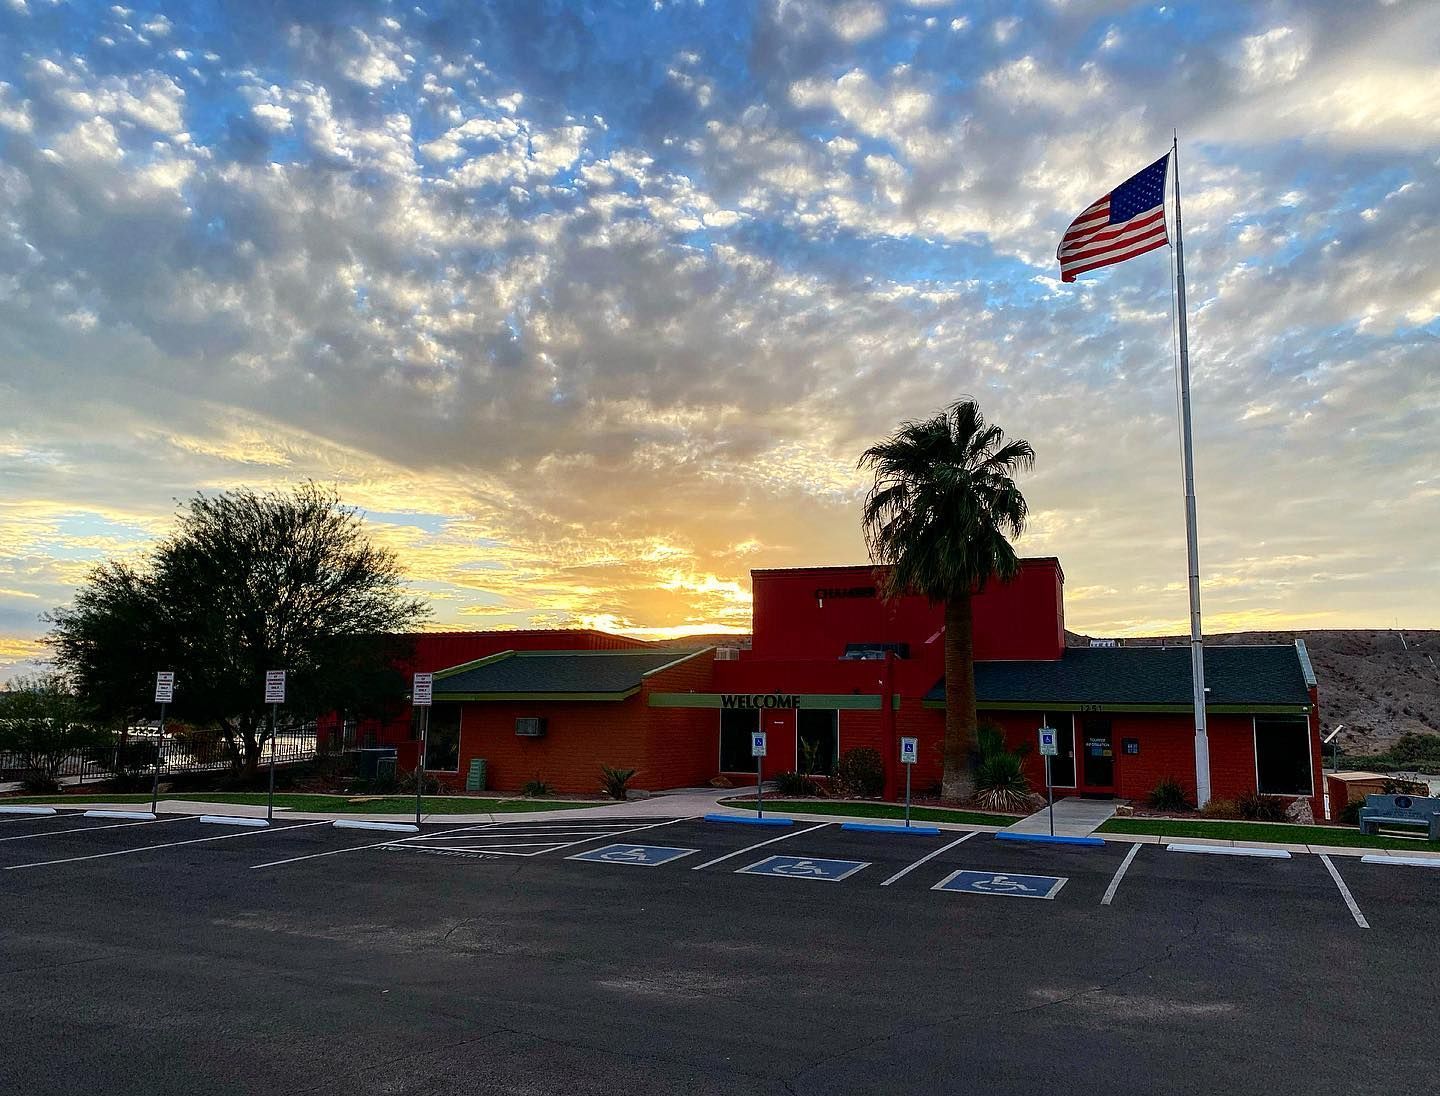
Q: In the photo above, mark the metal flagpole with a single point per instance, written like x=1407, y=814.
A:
x=1192, y=546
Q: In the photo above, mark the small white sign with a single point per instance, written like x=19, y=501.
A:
x=909, y=750
x=421, y=691
x=1048, y=748
x=164, y=687
x=274, y=686
x=757, y=744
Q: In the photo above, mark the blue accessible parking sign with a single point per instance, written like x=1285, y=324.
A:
x=642, y=856
x=805, y=867
x=1002, y=883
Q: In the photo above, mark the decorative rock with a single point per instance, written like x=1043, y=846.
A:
x=1300, y=812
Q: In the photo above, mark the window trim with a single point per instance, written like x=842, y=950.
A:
x=1309, y=755
x=836, y=763
x=1074, y=784
x=459, y=742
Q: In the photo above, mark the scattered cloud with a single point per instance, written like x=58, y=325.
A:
x=590, y=331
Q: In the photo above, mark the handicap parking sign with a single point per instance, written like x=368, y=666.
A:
x=805, y=867
x=642, y=856
x=1002, y=883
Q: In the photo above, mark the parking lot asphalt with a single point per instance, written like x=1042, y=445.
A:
x=574, y=956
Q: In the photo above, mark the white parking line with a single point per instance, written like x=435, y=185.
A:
x=556, y=846
x=903, y=872
x=759, y=845
x=83, y=829
x=1345, y=893
x=167, y=845
x=1119, y=875
x=333, y=852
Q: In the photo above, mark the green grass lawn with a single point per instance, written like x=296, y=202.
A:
x=333, y=804
x=876, y=810
x=1262, y=831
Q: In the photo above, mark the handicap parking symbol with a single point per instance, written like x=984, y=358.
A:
x=643, y=856
x=1002, y=883
x=805, y=867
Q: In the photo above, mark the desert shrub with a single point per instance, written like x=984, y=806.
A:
x=39, y=782
x=1169, y=795
x=1220, y=808
x=132, y=762
x=615, y=782
x=793, y=783
x=1350, y=813
x=535, y=789
x=1261, y=808
x=405, y=782
x=1000, y=783
x=206, y=745
x=861, y=773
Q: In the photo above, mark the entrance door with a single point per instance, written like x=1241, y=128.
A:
x=1099, y=749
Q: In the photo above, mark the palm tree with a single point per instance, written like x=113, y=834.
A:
x=940, y=517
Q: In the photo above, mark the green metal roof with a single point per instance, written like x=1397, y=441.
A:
x=1248, y=678
x=561, y=675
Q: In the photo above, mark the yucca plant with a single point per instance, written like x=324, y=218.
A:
x=615, y=782
x=1000, y=781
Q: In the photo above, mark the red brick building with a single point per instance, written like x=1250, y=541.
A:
x=833, y=666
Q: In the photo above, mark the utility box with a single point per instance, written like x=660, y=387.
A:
x=475, y=778
x=1353, y=787
x=370, y=762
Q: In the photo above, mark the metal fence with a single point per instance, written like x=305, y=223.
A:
x=186, y=752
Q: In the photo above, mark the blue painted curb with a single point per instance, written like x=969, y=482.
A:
x=746, y=820
x=875, y=827
x=1046, y=839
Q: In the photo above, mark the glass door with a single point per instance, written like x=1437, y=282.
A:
x=1099, y=755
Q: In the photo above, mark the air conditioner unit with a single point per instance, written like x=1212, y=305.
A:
x=530, y=726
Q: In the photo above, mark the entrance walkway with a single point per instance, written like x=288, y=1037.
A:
x=1074, y=817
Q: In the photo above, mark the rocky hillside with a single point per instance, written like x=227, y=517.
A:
x=1380, y=684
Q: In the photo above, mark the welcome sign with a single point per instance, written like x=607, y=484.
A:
x=759, y=700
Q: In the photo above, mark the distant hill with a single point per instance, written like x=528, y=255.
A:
x=1377, y=683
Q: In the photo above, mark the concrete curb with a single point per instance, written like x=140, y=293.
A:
x=1228, y=850
x=875, y=827
x=1408, y=861
x=751, y=820
x=147, y=816
x=391, y=827
x=1049, y=839
x=28, y=810
x=233, y=820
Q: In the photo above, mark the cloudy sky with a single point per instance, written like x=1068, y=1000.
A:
x=592, y=306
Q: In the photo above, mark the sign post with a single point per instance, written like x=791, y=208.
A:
x=420, y=694
x=1049, y=749
x=909, y=747
x=757, y=751
x=274, y=696
x=164, y=694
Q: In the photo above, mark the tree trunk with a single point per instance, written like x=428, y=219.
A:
x=958, y=782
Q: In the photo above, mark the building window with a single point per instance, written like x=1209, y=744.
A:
x=442, y=741
x=817, y=740
x=1282, y=757
x=736, y=727
x=1062, y=765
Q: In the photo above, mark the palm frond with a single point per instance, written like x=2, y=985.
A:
x=944, y=505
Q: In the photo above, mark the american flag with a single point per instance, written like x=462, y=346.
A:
x=1128, y=221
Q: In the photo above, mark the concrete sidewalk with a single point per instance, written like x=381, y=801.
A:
x=1074, y=817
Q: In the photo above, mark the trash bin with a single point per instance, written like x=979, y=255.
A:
x=475, y=778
